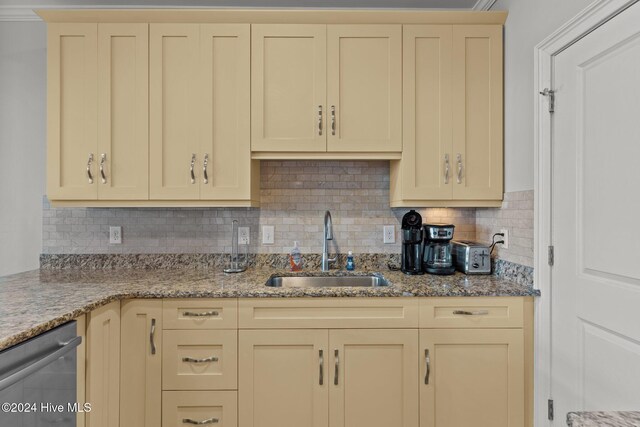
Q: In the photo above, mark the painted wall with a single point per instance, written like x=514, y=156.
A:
x=22, y=143
x=529, y=22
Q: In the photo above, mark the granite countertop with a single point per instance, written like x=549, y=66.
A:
x=36, y=301
x=599, y=419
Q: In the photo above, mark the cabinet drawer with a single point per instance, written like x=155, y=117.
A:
x=481, y=312
x=319, y=313
x=220, y=408
x=199, y=360
x=200, y=313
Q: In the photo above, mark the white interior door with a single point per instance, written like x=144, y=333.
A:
x=595, y=363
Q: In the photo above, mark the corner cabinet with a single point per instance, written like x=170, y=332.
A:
x=326, y=89
x=452, y=117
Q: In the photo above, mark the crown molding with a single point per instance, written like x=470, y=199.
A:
x=483, y=4
x=18, y=14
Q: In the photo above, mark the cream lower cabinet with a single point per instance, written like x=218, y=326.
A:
x=141, y=363
x=452, y=117
x=351, y=377
x=472, y=377
x=103, y=366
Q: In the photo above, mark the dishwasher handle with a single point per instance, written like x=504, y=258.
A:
x=29, y=369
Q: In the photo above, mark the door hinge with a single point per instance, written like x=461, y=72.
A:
x=551, y=94
x=550, y=409
x=550, y=255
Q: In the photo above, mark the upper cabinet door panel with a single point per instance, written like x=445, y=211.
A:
x=72, y=111
x=225, y=134
x=364, y=64
x=174, y=111
x=426, y=151
x=477, y=112
x=288, y=77
x=123, y=112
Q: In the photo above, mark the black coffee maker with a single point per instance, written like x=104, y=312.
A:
x=412, y=243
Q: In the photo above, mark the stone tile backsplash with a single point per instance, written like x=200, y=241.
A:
x=516, y=215
x=294, y=196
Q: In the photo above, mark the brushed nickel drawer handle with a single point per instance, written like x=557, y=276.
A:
x=205, y=314
x=321, y=357
x=428, y=366
x=89, y=161
x=333, y=120
x=335, y=378
x=205, y=360
x=446, y=168
x=152, y=335
x=459, y=176
x=319, y=120
x=193, y=164
x=471, y=313
x=199, y=423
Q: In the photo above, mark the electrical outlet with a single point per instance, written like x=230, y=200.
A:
x=243, y=236
x=115, y=235
x=504, y=231
x=389, y=234
x=268, y=232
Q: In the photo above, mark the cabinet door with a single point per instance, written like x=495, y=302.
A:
x=477, y=112
x=123, y=112
x=103, y=366
x=364, y=68
x=225, y=133
x=141, y=363
x=72, y=111
x=374, y=378
x=472, y=377
x=426, y=165
x=174, y=111
x=288, y=78
x=283, y=377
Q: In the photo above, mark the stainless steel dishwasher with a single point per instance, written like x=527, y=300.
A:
x=38, y=380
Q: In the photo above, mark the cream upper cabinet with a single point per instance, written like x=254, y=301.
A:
x=141, y=363
x=103, y=366
x=426, y=166
x=364, y=83
x=123, y=112
x=452, y=117
x=288, y=77
x=374, y=381
x=72, y=124
x=472, y=377
x=326, y=88
x=284, y=377
x=477, y=112
x=174, y=111
x=199, y=123
x=225, y=135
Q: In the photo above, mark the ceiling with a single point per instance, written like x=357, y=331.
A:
x=396, y=4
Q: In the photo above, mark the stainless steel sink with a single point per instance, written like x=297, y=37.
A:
x=370, y=281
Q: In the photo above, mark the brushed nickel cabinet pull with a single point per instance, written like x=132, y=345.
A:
x=204, y=360
x=428, y=366
x=205, y=314
x=200, y=423
x=319, y=120
x=152, y=335
x=193, y=164
x=459, y=176
x=471, y=313
x=89, y=161
x=205, y=177
x=335, y=378
x=333, y=120
x=103, y=158
x=446, y=168
x=321, y=358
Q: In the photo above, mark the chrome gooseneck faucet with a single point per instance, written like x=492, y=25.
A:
x=328, y=235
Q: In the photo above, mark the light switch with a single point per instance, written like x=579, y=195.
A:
x=268, y=232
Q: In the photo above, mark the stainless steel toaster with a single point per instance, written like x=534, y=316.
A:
x=471, y=257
